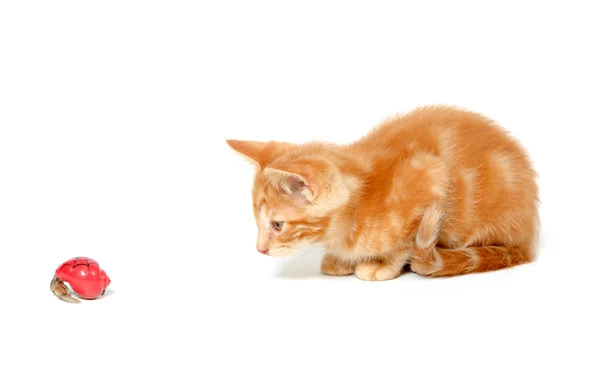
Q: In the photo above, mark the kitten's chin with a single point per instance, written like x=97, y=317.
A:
x=287, y=251
x=282, y=252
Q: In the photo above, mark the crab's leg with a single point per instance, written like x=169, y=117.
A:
x=59, y=288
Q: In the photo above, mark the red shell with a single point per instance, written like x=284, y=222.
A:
x=85, y=277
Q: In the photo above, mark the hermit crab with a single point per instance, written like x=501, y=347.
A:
x=85, y=277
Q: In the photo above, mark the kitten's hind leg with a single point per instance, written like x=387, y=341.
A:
x=332, y=265
x=387, y=267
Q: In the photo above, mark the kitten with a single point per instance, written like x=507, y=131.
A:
x=444, y=190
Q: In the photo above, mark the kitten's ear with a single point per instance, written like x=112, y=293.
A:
x=259, y=153
x=291, y=183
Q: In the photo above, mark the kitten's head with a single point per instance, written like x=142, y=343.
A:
x=294, y=193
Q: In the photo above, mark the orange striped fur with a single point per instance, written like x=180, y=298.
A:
x=444, y=190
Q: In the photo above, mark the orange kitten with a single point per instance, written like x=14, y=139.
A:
x=444, y=190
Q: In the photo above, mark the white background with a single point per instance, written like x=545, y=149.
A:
x=113, y=117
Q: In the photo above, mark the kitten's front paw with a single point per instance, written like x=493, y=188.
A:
x=331, y=265
x=376, y=272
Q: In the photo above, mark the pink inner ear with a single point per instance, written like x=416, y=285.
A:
x=295, y=184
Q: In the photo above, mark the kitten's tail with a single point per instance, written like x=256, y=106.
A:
x=437, y=261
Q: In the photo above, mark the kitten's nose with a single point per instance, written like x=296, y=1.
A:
x=264, y=251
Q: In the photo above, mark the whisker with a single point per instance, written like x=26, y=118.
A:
x=305, y=269
x=329, y=261
x=306, y=258
x=312, y=263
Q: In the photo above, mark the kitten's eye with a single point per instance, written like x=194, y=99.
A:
x=277, y=225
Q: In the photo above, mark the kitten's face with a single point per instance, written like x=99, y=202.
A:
x=283, y=220
x=294, y=194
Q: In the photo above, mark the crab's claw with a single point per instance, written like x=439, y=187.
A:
x=59, y=288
